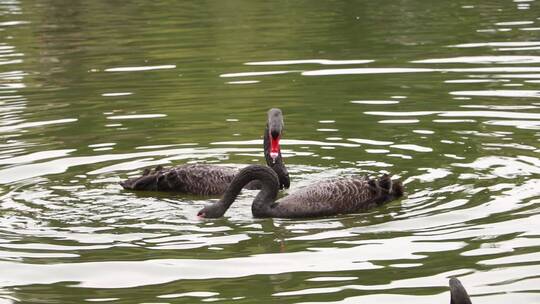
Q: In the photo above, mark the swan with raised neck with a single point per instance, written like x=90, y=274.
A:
x=204, y=179
x=458, y=294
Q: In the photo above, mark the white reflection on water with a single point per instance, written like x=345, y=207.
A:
x=414, y=113
x=158, y=271
x=475, y=80
x=286, y=142
x=244, y=82
x=101, y=145
x=36, y=156
x=370, y=141
x=375, y=102
x=136, y=116
x=116, y=94
x=365, y=71
x=101, y=299
x=484, y=60
x=496, y=114
x=32, y=170
x=517, y=76
x=431, y=174
x=141, y=68
x=412, y=147
x=309, y=61
x=195, y=294
x=331, y=279
x=26, y=125
x=499, y=107
x=505, y=23
x=531, y=48
x=250, y=74
x=497, y=44
x=454, y=120
x=12, y=23
x=360, y=71
x=399, y=121
x=377, y=151
x=499, y=93
x=520, y=124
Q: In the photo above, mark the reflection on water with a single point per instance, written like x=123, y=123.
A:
x=442, y=95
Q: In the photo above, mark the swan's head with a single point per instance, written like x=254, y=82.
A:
x=275, y=129
x=458, y=294
x=212, y=211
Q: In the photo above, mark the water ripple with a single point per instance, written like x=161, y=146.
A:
x=141, y=68
x=455, y=119
x=498, y=44
x=250, y=74
x=484, y=60
x=136, y=116
x=310, y=61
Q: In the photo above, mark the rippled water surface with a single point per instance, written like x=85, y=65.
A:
x=443, y=94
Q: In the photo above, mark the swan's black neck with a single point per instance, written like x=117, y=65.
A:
x=267, y=194
x=276, y=164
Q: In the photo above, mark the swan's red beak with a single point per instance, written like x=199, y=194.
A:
x=201, y=214
x=274, y=147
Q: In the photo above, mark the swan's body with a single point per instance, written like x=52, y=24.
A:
x=458, y=294
x=204, y=179
x=340, y=196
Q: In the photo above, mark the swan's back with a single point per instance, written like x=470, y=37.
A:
x=196, y=179
x=201, y=179
x=340, y=196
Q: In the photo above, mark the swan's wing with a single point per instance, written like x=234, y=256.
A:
x=340, y=196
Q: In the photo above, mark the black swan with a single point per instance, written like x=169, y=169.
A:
x=340, y=196
x=202, y=179
x=458, y=294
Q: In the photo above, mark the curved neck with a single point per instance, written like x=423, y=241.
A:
x=267, y=194
x=277, y=165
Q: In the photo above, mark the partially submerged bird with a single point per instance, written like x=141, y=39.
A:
x=325, y=198
x=458, y=294
x=203, y=179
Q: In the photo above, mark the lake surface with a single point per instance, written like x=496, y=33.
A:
x=442, y=94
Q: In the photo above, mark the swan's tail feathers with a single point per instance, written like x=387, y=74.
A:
x=458, y=294
x=397, y=188
x=385, y=182
x=393, y=187
x=147, y=181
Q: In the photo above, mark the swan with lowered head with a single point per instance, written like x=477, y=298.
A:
x=325, y=198
x=203, y=179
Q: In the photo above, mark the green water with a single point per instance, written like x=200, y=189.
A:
x=442, y=94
